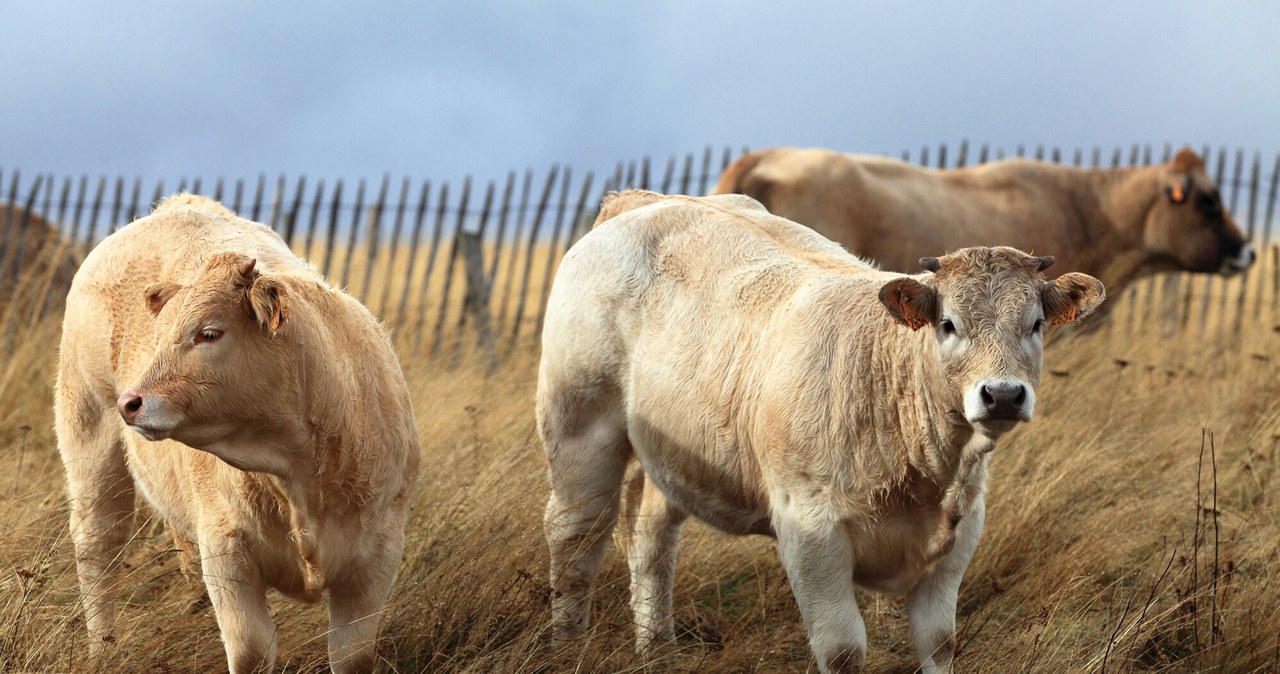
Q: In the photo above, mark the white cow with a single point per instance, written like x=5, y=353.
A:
x=770, y=383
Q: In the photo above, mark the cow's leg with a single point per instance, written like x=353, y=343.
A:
x=652, y=528
x=818, y=559
x=931, y=604
x=586, y=459
x=101, y=495
x=239, y=598
x=355, y=609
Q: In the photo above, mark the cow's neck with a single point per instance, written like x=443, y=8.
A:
x=333, y=476
x=1117, y=204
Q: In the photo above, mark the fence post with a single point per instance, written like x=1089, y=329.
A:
x=308, y=247
x=475, y=301
x=508, y=282
x=291, y=218
x=375, y=231
x=351, y=236
x=333, y=229
x=393, y=247
x=530, y=246
x=424, y=197
x=437, y=334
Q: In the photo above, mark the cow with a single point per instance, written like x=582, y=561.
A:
x=261, y=412
x=767, y=382
x=1118, y=225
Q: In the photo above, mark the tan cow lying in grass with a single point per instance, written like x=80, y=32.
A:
x=1115, y=224
x=770, y=383
x=199, y=329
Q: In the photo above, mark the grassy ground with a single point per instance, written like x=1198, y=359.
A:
x=1132, y=527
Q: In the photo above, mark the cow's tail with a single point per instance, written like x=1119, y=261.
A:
x=617, y=203
x=733, y=180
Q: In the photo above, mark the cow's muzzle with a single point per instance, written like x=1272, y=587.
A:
x=999, y=404
x=145, y=413
x=1242, y=261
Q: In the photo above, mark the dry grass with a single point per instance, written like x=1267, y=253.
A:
x=1120, y=537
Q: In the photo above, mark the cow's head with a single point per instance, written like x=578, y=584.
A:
x=988, y=309
x=220, y=366
x=1190, y=226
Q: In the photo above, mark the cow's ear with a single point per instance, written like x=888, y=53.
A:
x=910, y=302
x=159, y=294
x=1071, y=297
x=268, y=302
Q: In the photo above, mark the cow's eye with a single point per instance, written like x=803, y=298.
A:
x=1038, y=326
x=208, y=335
x=948, y=328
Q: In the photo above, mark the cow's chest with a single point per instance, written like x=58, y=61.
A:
x=911, y=530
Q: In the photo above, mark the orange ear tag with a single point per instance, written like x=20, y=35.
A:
x=1177, y=194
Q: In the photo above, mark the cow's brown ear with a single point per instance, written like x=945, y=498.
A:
x=159, y=294
x=268, y=302
x=910, y=302
x=1071, y=297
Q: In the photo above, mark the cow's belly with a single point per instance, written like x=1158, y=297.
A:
x=715, y=483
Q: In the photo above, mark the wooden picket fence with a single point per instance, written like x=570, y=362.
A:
x=448, y=269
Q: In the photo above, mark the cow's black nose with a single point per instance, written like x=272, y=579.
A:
x=1003, y=400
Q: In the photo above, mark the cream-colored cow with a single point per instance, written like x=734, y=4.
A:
x=768, y=382
x=1116, y=224
x=193, y=328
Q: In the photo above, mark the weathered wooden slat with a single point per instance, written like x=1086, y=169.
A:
x=508, y=282
x=374, y=236
x=331, y=239
x=394, y=247
x=424, y=197
x=308, y=250
x=530, y=248
x=425, y=296
x=437, y=334
x=353, y=234
x=475, y=299
x=291, y=217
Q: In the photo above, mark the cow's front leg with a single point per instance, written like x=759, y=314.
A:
x=239, y=599
x=818, y=559
x=931, y=604
x=355, y=609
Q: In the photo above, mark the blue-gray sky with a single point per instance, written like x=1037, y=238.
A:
x=437, y=90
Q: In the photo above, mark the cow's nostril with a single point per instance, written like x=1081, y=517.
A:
x=1021, y=397
x=130, y=405
x=987, y=399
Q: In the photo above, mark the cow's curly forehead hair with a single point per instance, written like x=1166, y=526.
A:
x=990, y=284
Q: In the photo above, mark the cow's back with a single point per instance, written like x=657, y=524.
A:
x=894, y=213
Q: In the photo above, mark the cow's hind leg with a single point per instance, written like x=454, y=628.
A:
x=652, y=530
x=818, y=559
x=587, y=453
x=239, y=598
x=101, y=494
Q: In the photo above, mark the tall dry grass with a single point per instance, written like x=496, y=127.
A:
x=1132, y=527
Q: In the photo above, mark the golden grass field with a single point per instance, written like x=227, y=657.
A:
x=1132, y=527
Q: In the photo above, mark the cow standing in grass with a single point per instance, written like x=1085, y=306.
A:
x=768, y=382
x=1118, y=225
x=261, y=412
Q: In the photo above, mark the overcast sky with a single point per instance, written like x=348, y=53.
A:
x=431, y=90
